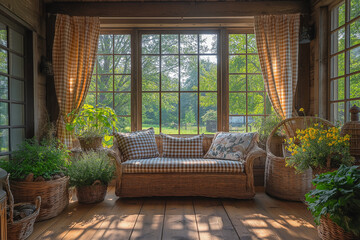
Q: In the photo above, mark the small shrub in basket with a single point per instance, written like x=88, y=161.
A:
x=38, y=169
x=90, y=173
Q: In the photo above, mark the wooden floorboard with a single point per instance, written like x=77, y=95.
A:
x=165, y=218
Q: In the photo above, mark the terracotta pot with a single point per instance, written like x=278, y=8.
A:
x=91, y=194
x=92, y=143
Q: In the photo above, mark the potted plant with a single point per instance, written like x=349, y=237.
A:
x=319, y=148
x=92, y=124
x=38, y=169
x=90, y=173
x=335, y=203
x=264, y=127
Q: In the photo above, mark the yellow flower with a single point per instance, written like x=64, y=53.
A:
x=301, y=110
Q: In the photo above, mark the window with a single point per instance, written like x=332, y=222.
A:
x=344, y=59
x=14, y=120
x=179, y=82
x=248, y=101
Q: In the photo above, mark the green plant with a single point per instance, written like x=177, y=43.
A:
x=89, y=167
x=210, y=115
x=315, y=146
x=337, y=196
x=41, y=159
x=264, y=126
x=93, y=122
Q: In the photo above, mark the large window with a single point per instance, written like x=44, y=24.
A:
x=344, y=59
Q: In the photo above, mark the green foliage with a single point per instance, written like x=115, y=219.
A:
x=93, y=122
x=42, y=159
x=266, y=125
x=337, y=195
x=210, y=115
x=89, y=167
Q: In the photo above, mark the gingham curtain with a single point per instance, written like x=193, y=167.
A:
x=74, y=49
x=277, y=39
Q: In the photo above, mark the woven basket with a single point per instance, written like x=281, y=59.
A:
x=281, y=181
x=91, y=194
x=92, y=143
x=54, y=195
x=22, y=228
x=329, y=230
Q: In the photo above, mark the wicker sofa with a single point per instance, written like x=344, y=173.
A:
x=231, y=181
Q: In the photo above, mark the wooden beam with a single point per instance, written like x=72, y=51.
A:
x=177, y=9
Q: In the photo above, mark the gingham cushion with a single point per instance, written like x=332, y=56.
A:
x=137, y=145
x=174, y=147
x=182, y=165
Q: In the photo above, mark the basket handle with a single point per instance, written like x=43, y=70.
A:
x=37, y=203
x=10, y=198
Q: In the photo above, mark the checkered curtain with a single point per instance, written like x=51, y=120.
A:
x=74, y=49
x=277, y=39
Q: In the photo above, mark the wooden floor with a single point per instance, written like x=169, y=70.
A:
x=181, y=218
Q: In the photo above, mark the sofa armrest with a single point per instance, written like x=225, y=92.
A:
x=254, y=153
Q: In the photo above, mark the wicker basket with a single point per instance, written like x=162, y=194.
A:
x=91, y=194
x=90, y=143
x=281, y=181
x=22, y=228
x=329, y=230
x=54, y=195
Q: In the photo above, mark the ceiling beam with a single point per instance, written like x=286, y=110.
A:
x=177, y=9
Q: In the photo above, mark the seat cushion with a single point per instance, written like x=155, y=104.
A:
x=182, y=165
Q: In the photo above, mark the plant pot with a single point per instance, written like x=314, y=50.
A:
x=54, y=195
x=91, y=194
x=91, y=143
x=329, y=230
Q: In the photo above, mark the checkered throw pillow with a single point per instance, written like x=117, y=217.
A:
x=137, y=145
x=174, y=147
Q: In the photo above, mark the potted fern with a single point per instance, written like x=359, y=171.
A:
x=90, y=173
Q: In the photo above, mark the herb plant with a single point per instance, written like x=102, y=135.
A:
x=337, y=195
x=41, y=159
x=89, y=167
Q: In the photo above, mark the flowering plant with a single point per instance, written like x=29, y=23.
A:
x=318, y=147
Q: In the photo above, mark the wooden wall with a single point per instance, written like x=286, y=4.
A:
x=31, y=14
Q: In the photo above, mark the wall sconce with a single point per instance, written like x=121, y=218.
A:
x=307, y=34
x=46, y=67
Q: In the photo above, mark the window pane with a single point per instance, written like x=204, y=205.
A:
x=237, y=124
x=122, y=44
x=338, y=41
x=122, y=82
x=208, y=113
x=237, y=43
x=337, y=112
x=208, y=73
x=355, y=32
x=169, y=43
x=255, y=103
x=4, y=113
x=16, y=41
x=92, y=86
x=208, y=43
x=122, y=64
x=17, y=90
x=105, y=82
x=188, y=43
x=90, y=99
x=251, y=42
x=105, y=44
x=17, y=65
x=237, y=64
x=253, y=64
x=170, y=73
x=255, y=83
x=4, y=87
x=237, y=103
x=124, y=124
x=104, y=64
x=4, y=140
x=188, y=113
x=338, y=16
x=3, y=61
x=354, y=8
x=3, y=35
x=352, y=103
x=269, y=107
x=237, y=82
x=189, y=73
x=337, y=89
x=150, y=44
x=337, y=65
x=170, y=113
x=150, y=73
x=17, y=137
x=105, y=100
x=251, y=122
x=354, y=60
x=17, y=114
x=150, y=111
x=122, y=104
x=355, y=86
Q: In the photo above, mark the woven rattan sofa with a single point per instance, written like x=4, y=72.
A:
x=131, y=181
